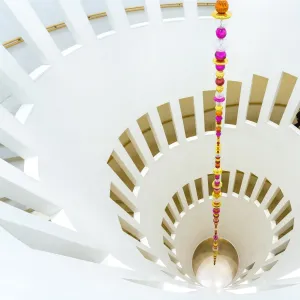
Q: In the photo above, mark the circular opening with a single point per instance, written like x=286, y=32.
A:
x=220, y=275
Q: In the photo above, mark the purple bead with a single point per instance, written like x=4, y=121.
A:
x=220, y=55
x=219, y=118
x=218, y=133
x=220, y=68
x=219, y=99
x=216, y=237
x=221, y=32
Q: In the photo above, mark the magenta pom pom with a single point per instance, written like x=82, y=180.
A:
x=221, y=32
x=220, y=55
x=219, y=99
x=220, y=68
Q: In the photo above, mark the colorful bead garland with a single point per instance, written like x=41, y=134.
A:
x=221, y=13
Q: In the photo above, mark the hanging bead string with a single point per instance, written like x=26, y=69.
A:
x=220, y=61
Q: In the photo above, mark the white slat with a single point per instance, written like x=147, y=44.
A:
x=123, y=158
x=244, y=101
x=140, y=144
x=158, y=131
x=281, y=241
x=178, y=122
x=182, y=200
x=231, y=182
x=14, y=136
x=153, y=11
x=244, y=184
x=169, y=223
x=283, y=222
x=174, y=210
x=190, y=10
x=269, y=100
x=16, y=78
x=205, y=188
x=119, y=184
x=117, y=15
x=193, y=191
x=292, y=107
x=269, y=196
x=257, y=188
x=199, y=114
x=77, y=21
x=279, y=208
x=35, y=33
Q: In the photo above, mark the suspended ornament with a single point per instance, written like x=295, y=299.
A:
x=221, y=13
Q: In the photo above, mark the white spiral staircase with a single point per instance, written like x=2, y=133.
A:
x=107, y=149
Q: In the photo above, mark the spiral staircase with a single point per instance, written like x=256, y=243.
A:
x=107, y=146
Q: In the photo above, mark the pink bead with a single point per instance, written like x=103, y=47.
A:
x=217, y=176
x=220, y=55
x=216, y=210
x=218, y=133
x=217, y=183
x=221, y=32
x=220, y=68
x=219, y=118
x=219, y=99
x=216, y=237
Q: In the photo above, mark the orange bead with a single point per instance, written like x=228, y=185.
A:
x=218, y=113
x=221, y=6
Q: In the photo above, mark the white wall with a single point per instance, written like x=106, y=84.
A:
x=91, y=96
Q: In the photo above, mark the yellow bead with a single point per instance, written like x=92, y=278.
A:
x=217, y=196
x=220, y=89
x=219, y=74
x=218, y=108
x=217, y=171
x=216, y=204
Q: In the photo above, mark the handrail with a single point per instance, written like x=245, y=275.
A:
x=13, y=42
x=99, y=15
x=56, y=26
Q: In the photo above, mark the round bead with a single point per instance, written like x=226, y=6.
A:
x=220, y=68
x=221, y=32
x=220, y=55
x=219, y=89
x=219, y=118
x=219, y=99
x=217, y=196
x=216, y=237
x=221, y=6
x=220, y=81
x=218, y=113
x=216, y=210
x=219, y=74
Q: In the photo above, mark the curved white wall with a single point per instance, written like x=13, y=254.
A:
x=85, y=100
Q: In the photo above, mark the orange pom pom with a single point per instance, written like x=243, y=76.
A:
x=221, y=6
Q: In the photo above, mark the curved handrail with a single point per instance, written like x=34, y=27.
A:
x=99, y=15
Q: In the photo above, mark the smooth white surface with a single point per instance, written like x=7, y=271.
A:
x=88, y=98
x=218, y=276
